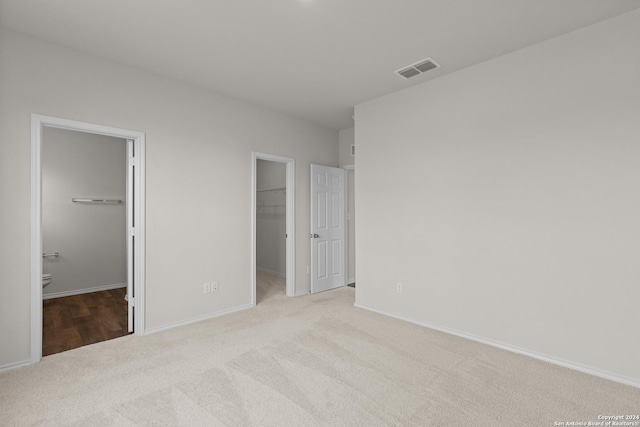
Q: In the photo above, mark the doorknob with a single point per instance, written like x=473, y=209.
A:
x=313, y=236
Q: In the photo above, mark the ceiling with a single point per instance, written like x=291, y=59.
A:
x=314, y=59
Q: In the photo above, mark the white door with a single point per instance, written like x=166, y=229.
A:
x=131, y=235
x=328, y=228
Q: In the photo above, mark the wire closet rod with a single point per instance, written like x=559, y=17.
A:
x=272, y=189
x=99, y=201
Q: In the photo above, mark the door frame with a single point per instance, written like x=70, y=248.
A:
x=290, y=219
x=38, y=122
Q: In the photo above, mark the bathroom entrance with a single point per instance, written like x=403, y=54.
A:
x=88, y=224
x=84, y=241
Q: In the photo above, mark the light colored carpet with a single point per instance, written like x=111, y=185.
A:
x=306, y=361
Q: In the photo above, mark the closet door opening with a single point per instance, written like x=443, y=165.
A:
x=273, y=227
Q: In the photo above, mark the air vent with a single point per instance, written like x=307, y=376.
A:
x=418, y=68
x=407, y=73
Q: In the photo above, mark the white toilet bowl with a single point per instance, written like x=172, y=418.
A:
x=46, y=280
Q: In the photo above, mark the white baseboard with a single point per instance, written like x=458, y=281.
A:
x=265, y=270
x=301, y=293
x=15, y=365
x=351, y=281
x=83, y=291
x=197, y=319
x=545, y=358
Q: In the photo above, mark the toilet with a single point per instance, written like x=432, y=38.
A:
x=46, y=280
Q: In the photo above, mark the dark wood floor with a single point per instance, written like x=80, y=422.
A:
x=75, y=321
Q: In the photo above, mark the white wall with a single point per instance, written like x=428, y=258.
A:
x=91, y=239
x=271, y=218
x=506, y=198
x=346, y=138
x=198, y=167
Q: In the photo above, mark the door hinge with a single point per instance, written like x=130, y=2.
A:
x=132, y=231
x=132, y=300
x=133, y=161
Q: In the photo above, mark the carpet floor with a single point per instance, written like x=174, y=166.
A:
x=306, y=361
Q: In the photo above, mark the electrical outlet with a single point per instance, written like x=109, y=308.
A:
x=399, y=287
x=215, y=286
x=207, y=288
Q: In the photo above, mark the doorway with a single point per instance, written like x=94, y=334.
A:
x=351, y=226
x=133, y=230
x=273, y=219
x=84, y=239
